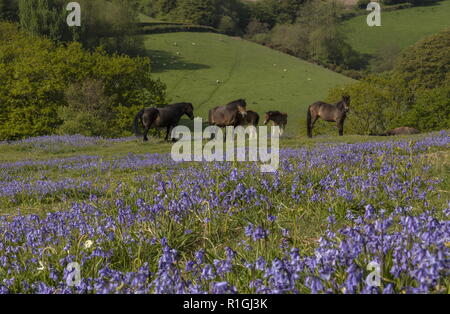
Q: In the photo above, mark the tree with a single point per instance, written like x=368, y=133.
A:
x=110, y=24
x=45, y=17
x=88, y=111
x=431, y=110
x=35, y=74
x=202, y=12
x=9, y=10
x=427, y=63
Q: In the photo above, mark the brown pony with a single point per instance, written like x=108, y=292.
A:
x=331, y=113
x=228, y=115
x=168, y=117
x=278, y=118
x=252, y=118
x=404, y=130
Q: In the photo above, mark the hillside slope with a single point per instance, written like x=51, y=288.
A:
x=212, y=69
x=400, y=28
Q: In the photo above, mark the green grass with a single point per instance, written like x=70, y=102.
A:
x=192, y=63
x=400, y=28
x=10, y=153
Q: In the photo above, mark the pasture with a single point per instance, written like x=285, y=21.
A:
x=400, y=28
x=212, y=69
x=137, y=222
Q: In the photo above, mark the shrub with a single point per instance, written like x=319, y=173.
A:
x=431, y=110
x=377, y=104
x=362, y=4
x=31, y=95
x=227, y=25
x=427, y=63
x=256, y=27
x=89, y=111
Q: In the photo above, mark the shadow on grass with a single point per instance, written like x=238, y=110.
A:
x=165, y=61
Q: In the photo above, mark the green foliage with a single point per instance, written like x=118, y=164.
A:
x=89, y=111
x=266, y=78
x=110, y=24
x=9, y=10
x=431, y=110
x=362, y=4
x=203, y=12
x=416, y=93
x=427, y=64
x=316, y=37
x=274, y=12
x=44, y=17
x=230, y=16
x=84, y=123
x=35, y=74
x=377, y=105
x=414, y=2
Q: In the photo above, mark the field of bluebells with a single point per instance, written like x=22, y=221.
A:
x=141, y=223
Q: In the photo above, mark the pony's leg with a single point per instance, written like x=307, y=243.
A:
x=146, y=129
x=311, y=126
x=168, y=132
x=341, y=128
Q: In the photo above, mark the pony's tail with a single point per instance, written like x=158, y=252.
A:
x=257, y=120
x=308, y=122
x=210, y=117
x=137, y=119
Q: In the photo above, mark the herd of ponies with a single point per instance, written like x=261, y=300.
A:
x=235, y=114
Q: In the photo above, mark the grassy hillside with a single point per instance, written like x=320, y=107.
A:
x=212, y=69
x=399, y=28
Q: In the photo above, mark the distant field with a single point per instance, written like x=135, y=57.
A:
x=399, y=28
x=212, y=69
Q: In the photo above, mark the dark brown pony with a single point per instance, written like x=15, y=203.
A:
x=168, y=117
x=404, y=130
x=228, y=115
x=278, y=118
x=331, y=113
x=252, y=118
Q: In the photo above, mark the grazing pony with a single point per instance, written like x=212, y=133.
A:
x=168, y=117
x=328, y=112
x=252, y=118
x=278, y=118
x=404, y=130
x=228, y=115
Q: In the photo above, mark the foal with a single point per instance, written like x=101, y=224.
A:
x=278, y=118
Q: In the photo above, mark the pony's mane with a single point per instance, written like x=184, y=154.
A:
x=235, y=103
x=180, y=104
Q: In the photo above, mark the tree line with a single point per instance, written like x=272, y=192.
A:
x=111, y=24
x=48, y=87
x=415, y=93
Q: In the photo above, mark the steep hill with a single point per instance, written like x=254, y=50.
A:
x=210, y=69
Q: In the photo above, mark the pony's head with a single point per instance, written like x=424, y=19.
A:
x=267, y=116
x=189, y=110
x=242, y=107
x=346, y=103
